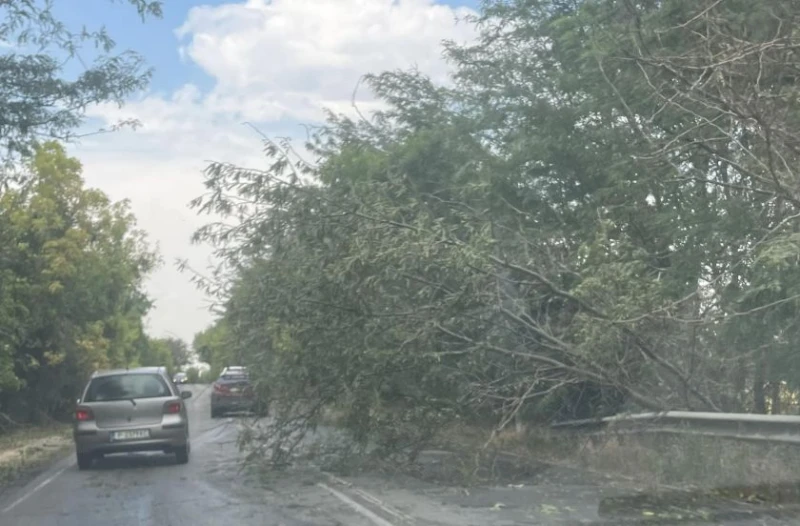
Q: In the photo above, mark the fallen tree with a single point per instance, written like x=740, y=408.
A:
x=601, y=202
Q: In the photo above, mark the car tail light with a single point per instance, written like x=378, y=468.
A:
x=172, y=408
x=221, y=388
x=84, y=414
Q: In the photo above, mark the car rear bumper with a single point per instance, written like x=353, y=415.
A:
x=231, y=403
x=162, y=438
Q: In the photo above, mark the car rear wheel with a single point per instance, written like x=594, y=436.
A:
x=182, y=455
x=84, y=461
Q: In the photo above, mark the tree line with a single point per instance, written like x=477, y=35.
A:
x=72, y=262
x=599, y=212
x=72, y=270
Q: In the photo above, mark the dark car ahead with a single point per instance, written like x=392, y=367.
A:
x=233, y=392
x=131, y=410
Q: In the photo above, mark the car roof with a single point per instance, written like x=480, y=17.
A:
x=133, y=370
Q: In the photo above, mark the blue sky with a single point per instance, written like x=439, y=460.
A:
x=277, y=64
x=155, y=39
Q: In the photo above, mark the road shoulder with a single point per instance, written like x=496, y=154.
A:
x=27, y=452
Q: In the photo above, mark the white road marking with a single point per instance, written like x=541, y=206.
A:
x=385, y=507
x=372, y=499
x=379, y=521
x=39, y=486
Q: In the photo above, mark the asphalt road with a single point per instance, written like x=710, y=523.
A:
x=147, y=489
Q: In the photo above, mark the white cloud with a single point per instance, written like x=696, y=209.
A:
x=272, y=63
x=297, y=53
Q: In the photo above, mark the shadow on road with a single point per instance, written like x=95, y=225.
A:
x=133, y=461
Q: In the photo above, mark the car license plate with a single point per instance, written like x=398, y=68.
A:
x=134, y=434
x=234, y=389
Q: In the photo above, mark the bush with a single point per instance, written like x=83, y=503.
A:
x=193, y=375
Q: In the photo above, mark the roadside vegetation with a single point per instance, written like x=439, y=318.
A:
x=28, y=448
x=72, y=261
x=73, y=265
x=598, y=213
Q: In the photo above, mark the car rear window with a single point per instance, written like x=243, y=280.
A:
x=125, y=387
x=234, y=376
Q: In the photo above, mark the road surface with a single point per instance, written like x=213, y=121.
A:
x=151, y=490
x=146, y=489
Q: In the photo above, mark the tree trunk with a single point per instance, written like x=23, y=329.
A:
x=735, y=401
x=759, y=399
x=775, y=394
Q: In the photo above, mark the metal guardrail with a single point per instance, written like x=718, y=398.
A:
x=784, y=429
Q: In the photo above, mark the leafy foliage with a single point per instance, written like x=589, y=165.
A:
x=213, y=346
x=71, y=261
x=179, y=351
x=599, y=213
x=71, y=270
x=157, y=353
x=39, y=98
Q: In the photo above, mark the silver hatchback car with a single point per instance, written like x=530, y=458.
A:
x=131, y=410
